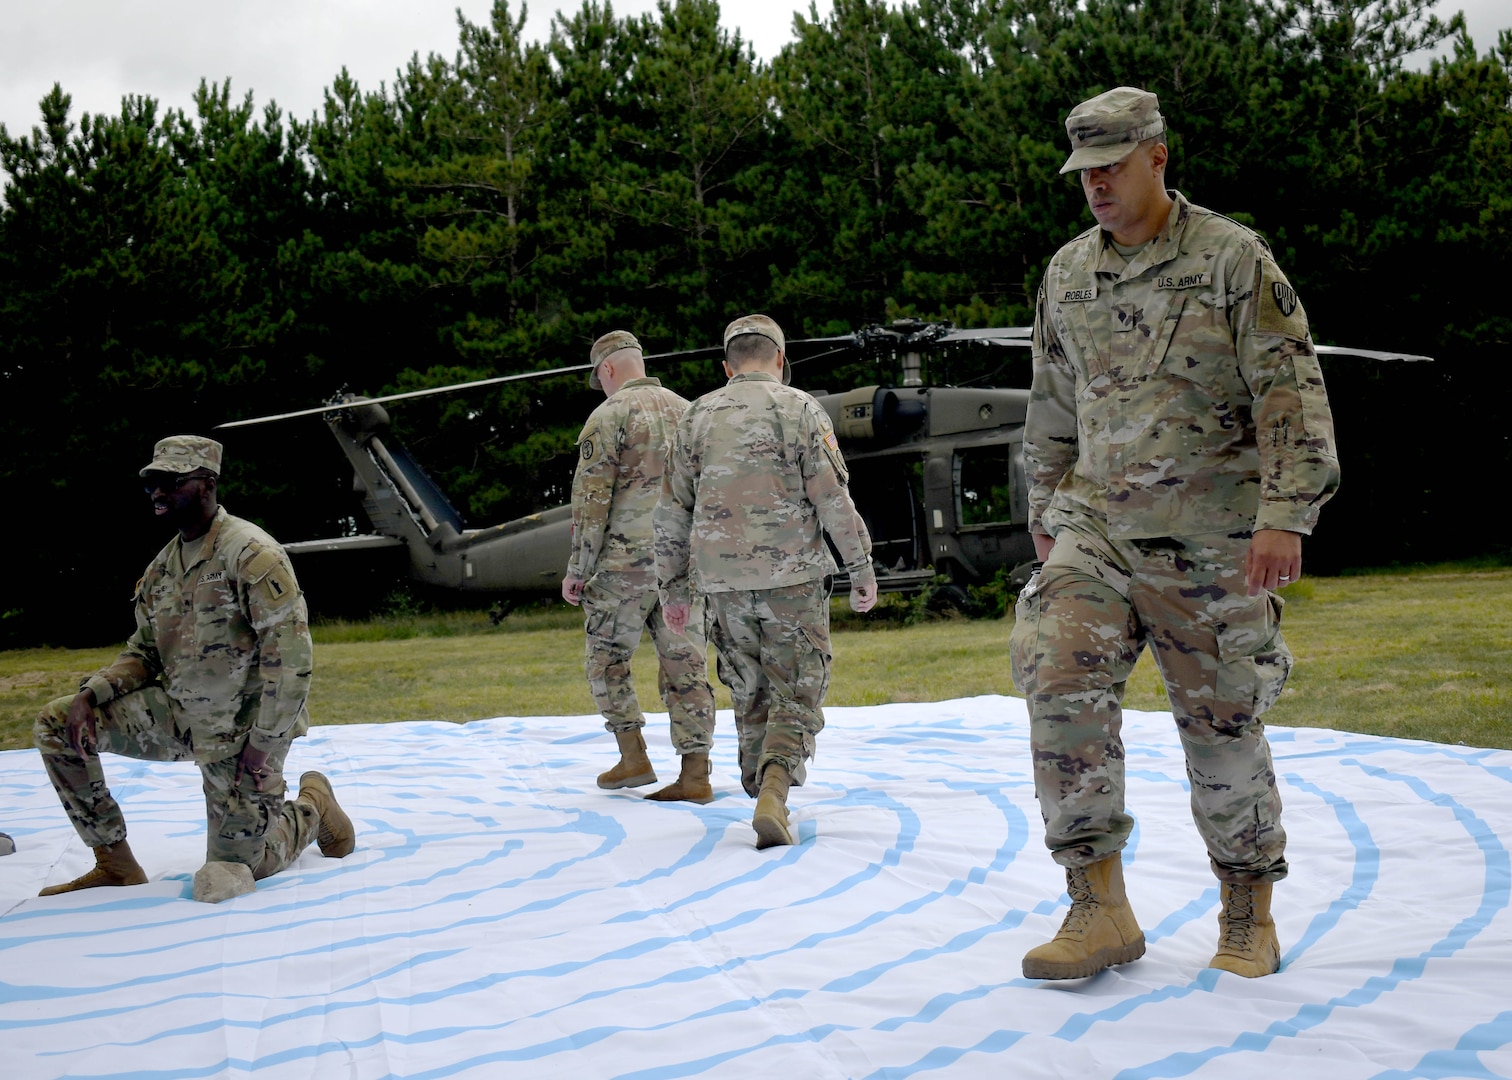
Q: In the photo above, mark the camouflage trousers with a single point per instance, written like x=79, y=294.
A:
x=773, y=647
x=1082, y=622
x=256, y=828
x=617, y=607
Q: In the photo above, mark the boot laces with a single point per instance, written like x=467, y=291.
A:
x=1239, y=919
x=1083, y=900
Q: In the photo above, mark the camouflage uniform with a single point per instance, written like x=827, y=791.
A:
x=1177, y=406
x=621, y=455
x=754, y=480
x=221, y=657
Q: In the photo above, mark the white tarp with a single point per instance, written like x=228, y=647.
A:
x=502, y=917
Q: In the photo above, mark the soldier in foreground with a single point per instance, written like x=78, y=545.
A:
x=217, y=671
x=753, y=482
x=1179, y=445
x=622, y=454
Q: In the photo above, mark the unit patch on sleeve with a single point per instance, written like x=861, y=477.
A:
x=1280, y=310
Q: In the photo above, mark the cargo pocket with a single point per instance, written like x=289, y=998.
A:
x=1253, y=663
x=813, y=666
x=1023, y=640
x=247, y=813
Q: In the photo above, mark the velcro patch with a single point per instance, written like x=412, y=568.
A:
x=278, y=587
x=259, y=565
x=1076, y=294
x=1280, y=309
x=1184, y=281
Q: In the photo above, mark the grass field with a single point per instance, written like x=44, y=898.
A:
x=1422, y=654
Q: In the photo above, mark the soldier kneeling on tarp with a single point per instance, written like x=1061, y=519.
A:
x=217, y=671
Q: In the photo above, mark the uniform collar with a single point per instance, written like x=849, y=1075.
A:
x=644, y=380
x=206, y=543
x=1162, y=248
x=754, y=376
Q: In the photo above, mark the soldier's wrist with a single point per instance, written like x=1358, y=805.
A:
x=100, y=687
x=264, y=743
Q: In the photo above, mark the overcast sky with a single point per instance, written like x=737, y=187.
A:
x=289, y=50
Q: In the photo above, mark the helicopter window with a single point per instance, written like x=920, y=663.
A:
x=985, y=483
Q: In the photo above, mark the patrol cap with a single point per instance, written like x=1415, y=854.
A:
x=184, y=454
x=764, y=325
x=1106, y=129
x=604, y=348
x=755, y=324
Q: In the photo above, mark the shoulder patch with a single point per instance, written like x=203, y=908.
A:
x=1280, y=310
x=259, y=565
x=268, y=576
x=590, y=442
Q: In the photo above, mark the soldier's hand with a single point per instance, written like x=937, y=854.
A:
x=677, y=616
x=80, y=725
x=863, y=597
x=1274, y=560
x=254, y=763
x=1043, y=545
x=572, y=590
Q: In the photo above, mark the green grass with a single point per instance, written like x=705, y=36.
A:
x=1424, y=654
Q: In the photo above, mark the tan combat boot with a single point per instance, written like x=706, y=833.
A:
x=335, y=835
x=1099, y=931
x=114, y=865
x=771, y=818
x=1247, y=942
x=634, y=768
x=691, y=786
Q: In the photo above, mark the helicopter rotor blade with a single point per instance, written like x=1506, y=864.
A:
x=1369, y=354
x=429, y=391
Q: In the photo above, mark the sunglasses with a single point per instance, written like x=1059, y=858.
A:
x=166, y=481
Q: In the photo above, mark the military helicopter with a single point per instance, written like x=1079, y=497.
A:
x=936, y=470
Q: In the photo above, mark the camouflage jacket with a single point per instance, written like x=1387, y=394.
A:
x=227, y=638
x=1176, y=393
x=755, y=475
x=622, y=454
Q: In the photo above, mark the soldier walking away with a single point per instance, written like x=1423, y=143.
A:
x=753, y=482
x=1179, y=445
x=622, y=454
x=217, y=672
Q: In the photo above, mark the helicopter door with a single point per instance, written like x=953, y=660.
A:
x=889, y=493
x=992, y=507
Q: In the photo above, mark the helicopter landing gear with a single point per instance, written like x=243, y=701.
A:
x=500, y=611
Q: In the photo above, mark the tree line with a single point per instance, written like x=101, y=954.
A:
x=496, y=210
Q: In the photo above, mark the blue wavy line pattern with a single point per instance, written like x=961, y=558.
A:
x=503, y=917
